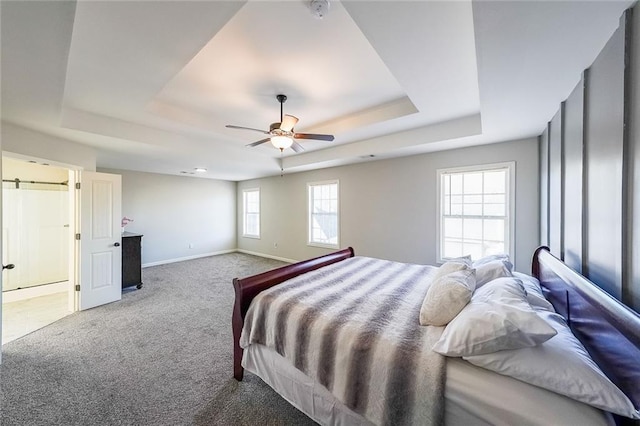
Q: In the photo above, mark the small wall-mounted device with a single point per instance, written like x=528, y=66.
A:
x=319, y=8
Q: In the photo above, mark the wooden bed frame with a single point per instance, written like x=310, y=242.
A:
x=249, y=287
x=609, y=330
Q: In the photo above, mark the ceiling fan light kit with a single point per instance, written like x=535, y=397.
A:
x=282, y=135
x=281, y=142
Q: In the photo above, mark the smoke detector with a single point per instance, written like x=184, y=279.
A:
x=319, y=8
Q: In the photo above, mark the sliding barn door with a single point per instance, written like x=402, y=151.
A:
x=100, y=238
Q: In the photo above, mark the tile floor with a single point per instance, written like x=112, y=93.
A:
x=25, y=316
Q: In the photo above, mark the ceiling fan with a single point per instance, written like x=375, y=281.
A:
x=282, y=134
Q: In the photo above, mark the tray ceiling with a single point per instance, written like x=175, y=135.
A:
x=151, y=84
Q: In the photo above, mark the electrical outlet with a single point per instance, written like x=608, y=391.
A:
x=275, y=245
x=190, y=245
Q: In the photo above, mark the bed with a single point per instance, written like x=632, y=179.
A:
x=468, y=390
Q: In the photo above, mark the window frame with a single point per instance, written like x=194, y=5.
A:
x=245, y=213
x=310, y=213
x=510, y=195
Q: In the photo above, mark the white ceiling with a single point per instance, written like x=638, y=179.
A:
x=152, y=84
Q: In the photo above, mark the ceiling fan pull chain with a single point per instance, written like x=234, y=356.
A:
x=281, y=163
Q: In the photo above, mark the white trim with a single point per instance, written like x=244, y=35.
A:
x=181, y=259
x=317, y=244
x=510, y=190
x=512, y=211
x=476, y=167
x=439, y=216
x=36, y=291
x=326, y=246
x=216, y=253
x=268, y=256
x=244, y=213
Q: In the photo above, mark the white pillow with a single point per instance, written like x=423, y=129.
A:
x=450, y=266
x=462, y=259
x=497, y=318
x=535, y=297
x=491, y=270
x=447, y=296
x=492, y=257
x=562, y=365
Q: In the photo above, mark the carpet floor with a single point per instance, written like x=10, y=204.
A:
x=160, y=356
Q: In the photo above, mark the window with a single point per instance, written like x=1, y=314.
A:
x=323, y=214
x=251, y=209
x=475, y=211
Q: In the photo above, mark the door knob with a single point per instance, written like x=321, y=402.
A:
x=9, y=266
x=116, y=245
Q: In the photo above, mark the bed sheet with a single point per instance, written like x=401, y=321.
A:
x=341, y=323
x=473, y=396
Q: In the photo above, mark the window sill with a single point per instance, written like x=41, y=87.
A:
x=320, y=245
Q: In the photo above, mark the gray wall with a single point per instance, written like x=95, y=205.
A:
x=603, y=142
x=544, y=186
x=600, y=169
x=173, y=212
x=26, y=142
x=572, y=149
x=555, y=183
x=388, y=208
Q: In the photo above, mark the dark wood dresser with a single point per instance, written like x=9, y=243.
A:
x=131, y=259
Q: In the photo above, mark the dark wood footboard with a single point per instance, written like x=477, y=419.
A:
x=249, y=287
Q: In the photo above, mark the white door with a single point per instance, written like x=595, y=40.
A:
x=1, y=274
x=100, y=238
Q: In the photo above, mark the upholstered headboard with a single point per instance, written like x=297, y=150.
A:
x=609, y=330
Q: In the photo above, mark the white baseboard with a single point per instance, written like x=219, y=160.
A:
x=29, y=292
x=268, y=256
x=197, y=256
x=181, y=259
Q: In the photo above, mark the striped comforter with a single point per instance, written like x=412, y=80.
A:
x=353, y=327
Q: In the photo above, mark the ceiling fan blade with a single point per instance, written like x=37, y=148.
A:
x=230, y=126
x=328, y=138
x=260, y=142
x=288, y=122
x=297, y=147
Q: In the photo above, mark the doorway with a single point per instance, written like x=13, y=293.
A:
x=37, y=218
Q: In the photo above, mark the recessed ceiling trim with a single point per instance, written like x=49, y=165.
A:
x=452, y=129
x=108, y=60
x=376, y=114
